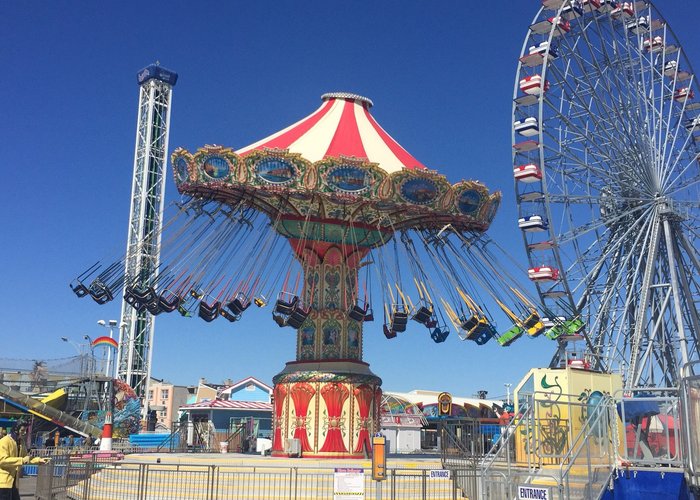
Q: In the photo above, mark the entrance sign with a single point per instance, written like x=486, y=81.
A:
x=439, y=474
x=348, y=484
x=527, y=492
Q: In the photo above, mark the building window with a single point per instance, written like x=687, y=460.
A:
x=150, y=395
x=164, y=393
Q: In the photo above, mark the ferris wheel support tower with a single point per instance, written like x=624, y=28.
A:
x=145, y=223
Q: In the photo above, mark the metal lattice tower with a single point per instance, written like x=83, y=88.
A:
x=145, y=222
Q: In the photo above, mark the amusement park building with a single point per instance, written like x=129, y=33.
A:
x=409, y=419
x=166, y=398
x=248, y=401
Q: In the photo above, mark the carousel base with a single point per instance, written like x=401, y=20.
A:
x=325, y=409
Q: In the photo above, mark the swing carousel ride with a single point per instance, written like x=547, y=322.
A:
x=375, y=236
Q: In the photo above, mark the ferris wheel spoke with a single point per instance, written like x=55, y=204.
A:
x=666, y=168
x=605, y=77
x=593, y=226
x=615, y=243
x=691, y=294
x=602, y=124
x=583, y=166
x=609, y=292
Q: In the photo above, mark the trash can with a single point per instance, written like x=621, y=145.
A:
x=223, y=446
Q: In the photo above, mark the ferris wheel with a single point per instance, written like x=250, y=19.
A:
x=606, y=150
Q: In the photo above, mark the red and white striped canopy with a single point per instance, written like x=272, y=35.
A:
x=342, y=126
x=229, y=405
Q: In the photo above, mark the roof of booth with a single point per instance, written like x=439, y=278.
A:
x=341, y=126
x=218, y=404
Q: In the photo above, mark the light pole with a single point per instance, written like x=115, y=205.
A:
x=78, y=348
x=92, y=355
x=507, y=393
x=111, y=324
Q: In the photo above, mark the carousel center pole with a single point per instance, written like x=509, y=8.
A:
x=328, y=399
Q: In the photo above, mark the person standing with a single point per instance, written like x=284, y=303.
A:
x=12, y=459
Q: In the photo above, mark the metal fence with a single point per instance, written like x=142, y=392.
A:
x=463, y=445
x=138, y=481
x=652, y=427
x=690, y=416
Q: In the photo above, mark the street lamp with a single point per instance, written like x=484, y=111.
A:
x=507, y=393
x=79, y=349
x=111, y=324
x=92, y=355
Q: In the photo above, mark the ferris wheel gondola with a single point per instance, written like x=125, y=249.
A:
x=605, y=157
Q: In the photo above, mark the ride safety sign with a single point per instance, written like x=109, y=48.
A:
x=348, y=484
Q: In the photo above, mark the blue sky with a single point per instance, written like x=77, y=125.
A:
x=441, y=77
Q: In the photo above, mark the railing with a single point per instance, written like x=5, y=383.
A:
x=499, y=473
x=65, y=471
x=652, y=435
x=137, y=481
x=690, y=411
x=551, y=443
x=463, y=443
x=503, y=485
x=592, y=450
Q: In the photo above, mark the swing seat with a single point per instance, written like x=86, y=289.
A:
x=239, y=304
x=369, y=316
x=129, y=296
x=100, y=292
x=422, y=315
x=431, y=323
x=357, y=313
x=389, y=333
x=533, y=324
x=483, y=334
x=568, y=327
x=439, y=334
x=195, y=294
x=134, y=294
x=284, y=307
x=80, y=290
x=510, y=336
x=295, y=322
x=469, y=324
x=169, y=304
x=229, y=316
x=209, y=312
x=153, y=306
x=279, y=319
x=399, y=320
x=136, y=301
x=139, y=306
x=260, y=301
x=298, y=316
